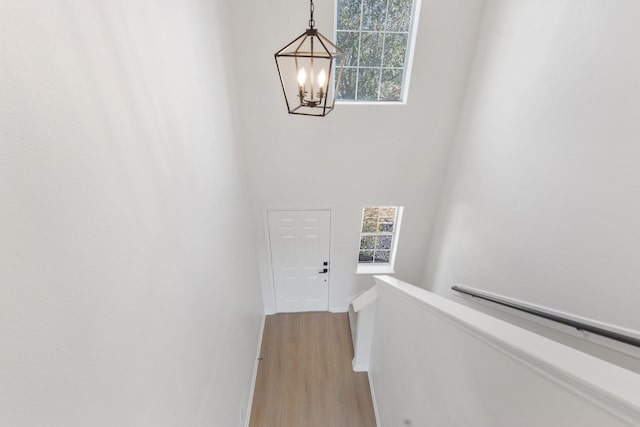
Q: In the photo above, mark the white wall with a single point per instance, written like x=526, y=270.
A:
x=129, y=294
x=358, y=155
x=541, y=200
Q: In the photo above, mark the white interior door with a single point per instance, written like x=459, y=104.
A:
x=300, y=259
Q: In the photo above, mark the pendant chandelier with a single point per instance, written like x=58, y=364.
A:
x=306, y=67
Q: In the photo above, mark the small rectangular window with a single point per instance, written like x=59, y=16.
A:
x=378, y=239
x=376, y=36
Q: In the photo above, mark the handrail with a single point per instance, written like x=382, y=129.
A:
x=580, y=326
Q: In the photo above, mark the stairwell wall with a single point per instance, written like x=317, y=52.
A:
x=129, y=293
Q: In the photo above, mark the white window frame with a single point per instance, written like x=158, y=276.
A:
x=413, y=34
x=379, y=268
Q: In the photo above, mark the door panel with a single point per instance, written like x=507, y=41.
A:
x=300, y=242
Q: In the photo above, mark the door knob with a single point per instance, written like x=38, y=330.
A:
x=324, y=270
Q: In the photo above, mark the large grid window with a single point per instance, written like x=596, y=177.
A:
x=375, y=36
x=379, y=226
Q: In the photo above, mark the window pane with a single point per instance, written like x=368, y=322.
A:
x=388, y=212
x=399, y=15
x=349, y=15
x=386, y=227
x=371, y=212
x=368, y=84
x=371, y=50
x=382, y=242
x=391, y=85
x=365, y=256
x=347, y=88
x=382, y=256
x=348, y=42
x=373, y=15
x=368, y=242
x=395, y=49
x=369, y=226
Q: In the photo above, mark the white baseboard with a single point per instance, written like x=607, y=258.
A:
x=373, y=399
x=339, y=309
x=247, y=416
x=358, y=368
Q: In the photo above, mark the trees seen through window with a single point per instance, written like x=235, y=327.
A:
x=375, y=36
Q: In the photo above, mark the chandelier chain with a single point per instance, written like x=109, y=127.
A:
x=312, y=22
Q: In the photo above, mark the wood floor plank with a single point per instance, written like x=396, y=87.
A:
x=305, y=377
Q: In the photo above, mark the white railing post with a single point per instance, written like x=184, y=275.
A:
x=365, y=309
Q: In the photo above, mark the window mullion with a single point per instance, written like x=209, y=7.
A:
x=355, y=95
x=384, y=41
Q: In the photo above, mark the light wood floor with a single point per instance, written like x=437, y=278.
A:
x=305, y=377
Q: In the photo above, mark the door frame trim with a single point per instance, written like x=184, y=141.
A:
x=265, y=214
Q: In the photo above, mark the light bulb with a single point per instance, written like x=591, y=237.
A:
x=302, y=77
x=322, y=78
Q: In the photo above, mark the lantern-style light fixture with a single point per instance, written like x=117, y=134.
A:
x=306, y=67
